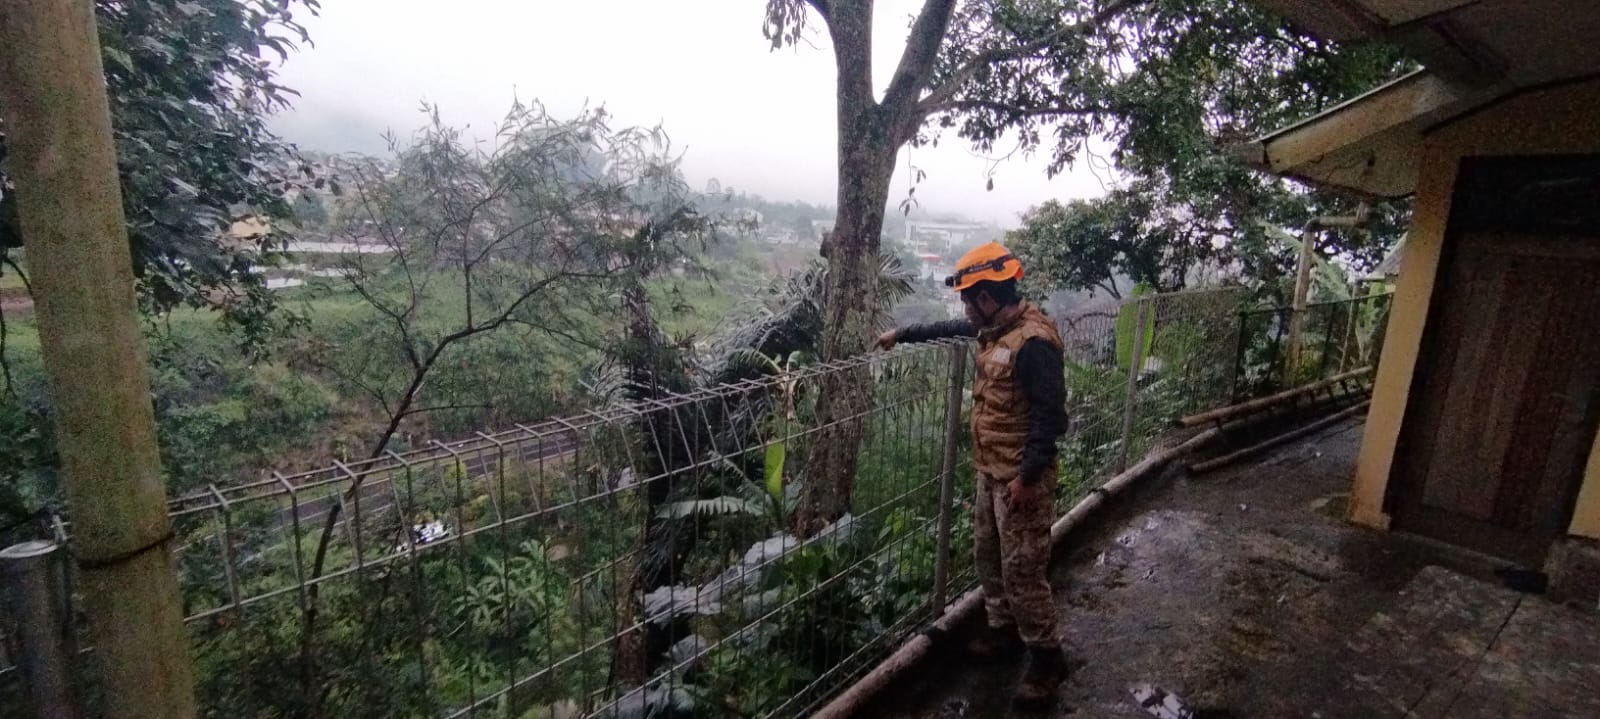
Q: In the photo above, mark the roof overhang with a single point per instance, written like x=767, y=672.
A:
x=1480, y=42
x=1475, y=52
x=1369, y=144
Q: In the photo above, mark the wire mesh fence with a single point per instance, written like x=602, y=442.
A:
x=1335, y=337
x=1134, y=367
x=640, y=559
x=631, y=561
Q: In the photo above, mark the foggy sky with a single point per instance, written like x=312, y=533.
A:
x=757, y=120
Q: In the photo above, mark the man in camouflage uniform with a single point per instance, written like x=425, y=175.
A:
x=1018, y=412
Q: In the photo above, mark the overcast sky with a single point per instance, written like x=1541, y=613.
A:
x=757, y=120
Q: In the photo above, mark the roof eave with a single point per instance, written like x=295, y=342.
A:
x=1368, y=145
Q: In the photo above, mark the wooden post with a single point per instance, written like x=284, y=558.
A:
x=63, y=162
x=1136, y=359
x=1302, y=278
x=1302, y=291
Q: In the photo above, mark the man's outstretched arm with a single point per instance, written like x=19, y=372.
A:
x=927, y=332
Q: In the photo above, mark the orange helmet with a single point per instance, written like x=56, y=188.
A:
x=989, y=261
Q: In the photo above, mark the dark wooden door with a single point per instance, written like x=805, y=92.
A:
x=1504, y=406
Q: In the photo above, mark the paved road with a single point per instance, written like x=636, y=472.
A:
x=376, y=493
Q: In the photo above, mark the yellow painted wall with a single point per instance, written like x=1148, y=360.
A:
x=1552, y=121
x=1586, y=521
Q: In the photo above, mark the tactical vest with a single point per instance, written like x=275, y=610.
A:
x=999, y=403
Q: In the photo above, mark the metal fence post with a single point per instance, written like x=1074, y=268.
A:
x=947, y=477
x=1327, y=339
x=1135, y=364
x=1242, y=346
x=35, y=591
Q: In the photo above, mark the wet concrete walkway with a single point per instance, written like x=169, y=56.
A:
x=1244, y=593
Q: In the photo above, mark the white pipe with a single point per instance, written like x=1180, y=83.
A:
x=1269, y=443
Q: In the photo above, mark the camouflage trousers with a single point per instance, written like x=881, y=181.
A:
x=1013, y=556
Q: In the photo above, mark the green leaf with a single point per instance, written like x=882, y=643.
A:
x=119, y=56
x=775, y=456
x=1329, y=281
x=1127, y=317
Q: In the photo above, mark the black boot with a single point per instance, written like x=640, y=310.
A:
x=1047, y=666
x=992, y=643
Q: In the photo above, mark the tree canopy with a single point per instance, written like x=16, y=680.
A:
x=1089, y=244
x=1147, y=233
x=1171, y=85
x=536, y=231
x=191, y=85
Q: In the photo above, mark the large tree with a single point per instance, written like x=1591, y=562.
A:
x=191, y=86
x=1160, y=79
x=1092, y=244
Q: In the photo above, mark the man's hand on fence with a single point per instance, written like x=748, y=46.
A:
x=886, y=340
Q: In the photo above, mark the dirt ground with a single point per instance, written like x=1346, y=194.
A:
x=1244, y=593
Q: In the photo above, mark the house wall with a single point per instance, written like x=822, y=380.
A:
x=1558, y=120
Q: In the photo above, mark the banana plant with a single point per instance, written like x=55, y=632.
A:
x=778, y=500
x=748, y=500
x=784, y=369
x=1371, y=314
x=1128, y=321
x=1329, y=281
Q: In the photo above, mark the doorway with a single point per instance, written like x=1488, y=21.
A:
x=1505, y=402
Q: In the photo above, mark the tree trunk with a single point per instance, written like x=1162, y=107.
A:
x=655, y=369
x=868, y=146
x=65, y=166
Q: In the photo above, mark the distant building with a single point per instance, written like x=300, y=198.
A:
x=933, y=267
x=245, y=232
x=942, y=237
x=780, y=236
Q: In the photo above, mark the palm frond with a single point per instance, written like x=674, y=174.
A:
x=713, y=507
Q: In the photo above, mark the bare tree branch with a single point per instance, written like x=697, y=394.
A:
x=443, y=407
x=390, y=237
x=916, y=61
x=401, y=321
